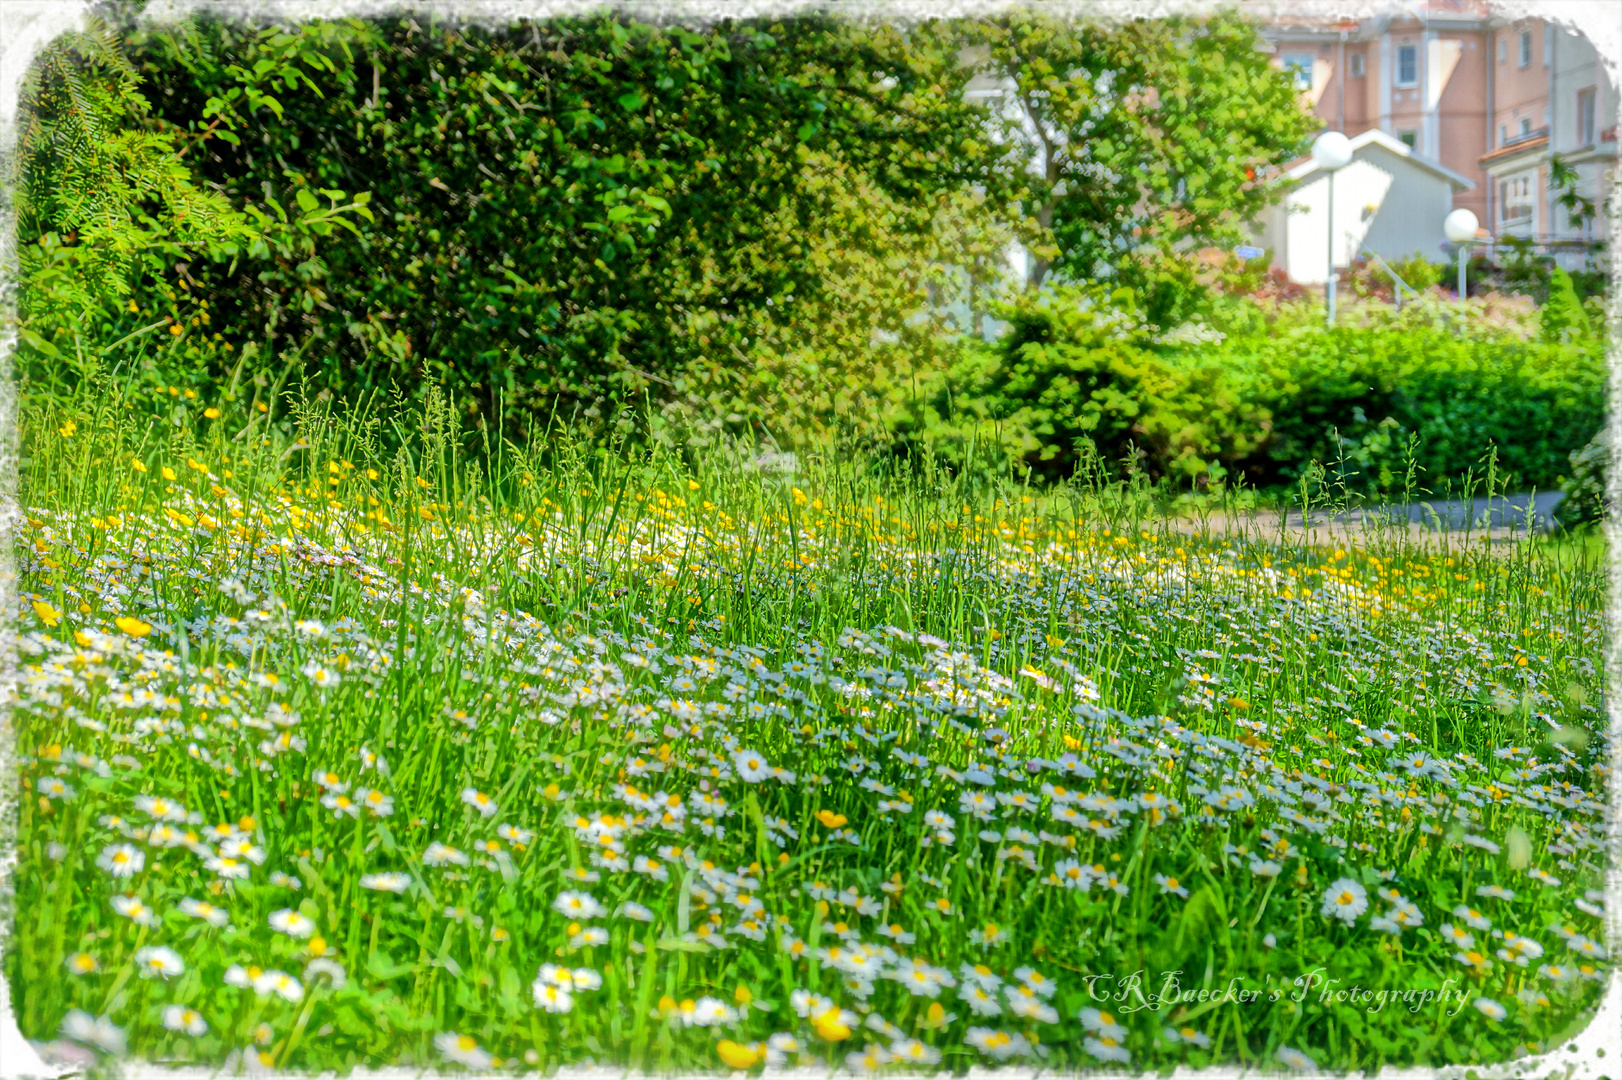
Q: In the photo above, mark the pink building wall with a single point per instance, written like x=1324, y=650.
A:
x=1519, y=92
x=1466, y=107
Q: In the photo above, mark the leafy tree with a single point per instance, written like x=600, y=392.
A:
x=1148, y=136
x=848, y=356
x=96, y=197
x=566, y=212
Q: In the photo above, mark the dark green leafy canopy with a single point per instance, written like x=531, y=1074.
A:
x=559, y=211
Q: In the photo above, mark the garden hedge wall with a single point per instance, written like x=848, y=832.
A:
x=1062, y=383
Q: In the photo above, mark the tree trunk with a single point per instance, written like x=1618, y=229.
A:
x=1039, y=268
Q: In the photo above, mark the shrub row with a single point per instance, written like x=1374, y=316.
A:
x=1072, y=378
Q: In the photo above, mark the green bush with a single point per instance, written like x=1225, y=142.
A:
x=1358, y=396
x=1418, y=272
x=1076, y=375
x=1165, y=289
x=1587, y=497
x=1562, y=316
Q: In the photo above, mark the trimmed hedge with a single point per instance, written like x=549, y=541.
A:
x=1067, y=380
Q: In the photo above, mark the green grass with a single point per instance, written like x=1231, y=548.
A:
x=1025, y=739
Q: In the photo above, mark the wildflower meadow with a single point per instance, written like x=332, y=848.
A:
x=713, y=545
x=333, y=757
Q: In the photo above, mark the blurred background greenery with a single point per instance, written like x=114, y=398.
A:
x=789, y=232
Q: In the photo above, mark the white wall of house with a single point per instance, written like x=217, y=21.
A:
x=1385, y=201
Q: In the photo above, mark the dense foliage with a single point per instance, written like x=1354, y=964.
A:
x=779, y=229
x=1080, y=376
x=99, y=200
x=584, y=212
x=1141, y=137
x=562, y=205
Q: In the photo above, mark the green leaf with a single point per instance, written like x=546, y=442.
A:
x=384, y=967
x=306, y=200
x=678, y=945
x=508, y=991
x=37, y=342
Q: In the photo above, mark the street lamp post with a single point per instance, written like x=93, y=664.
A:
x=1460, y=227
x=1332, y=151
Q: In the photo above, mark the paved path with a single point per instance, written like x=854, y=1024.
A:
x=1452, y=523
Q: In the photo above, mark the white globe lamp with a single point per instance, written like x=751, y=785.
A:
x=1331, y=151
x=1460, y=228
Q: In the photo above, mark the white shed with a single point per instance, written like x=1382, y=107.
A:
x=1389, y=200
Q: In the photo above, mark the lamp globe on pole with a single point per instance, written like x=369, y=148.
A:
x=1331, y=151
x=1460, y=227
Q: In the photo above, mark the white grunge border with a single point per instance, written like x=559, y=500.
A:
x=27, y=26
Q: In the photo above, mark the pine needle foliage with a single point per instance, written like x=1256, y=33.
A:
x=97, y=191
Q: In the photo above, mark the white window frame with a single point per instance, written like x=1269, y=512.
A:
x=1586, y=100
x=1526, y=49
x=1358, y=67
x=1396, y=70
x=1519, y=190
x=1409, y=138
x=1525, y=131
x=1301, y=66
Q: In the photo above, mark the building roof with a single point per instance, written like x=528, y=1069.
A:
x=1535, y=143
x=1376, y=137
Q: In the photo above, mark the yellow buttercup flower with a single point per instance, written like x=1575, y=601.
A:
x=738, y=1056
x=828, y=1027
x=831, y=819
x=47, y=614
x=132, y=626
